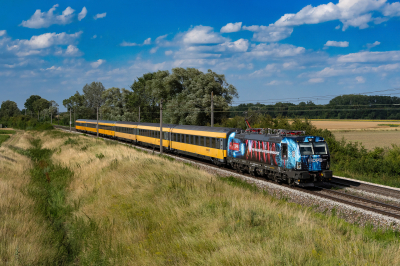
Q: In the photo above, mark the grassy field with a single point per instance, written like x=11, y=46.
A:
x=83, y=201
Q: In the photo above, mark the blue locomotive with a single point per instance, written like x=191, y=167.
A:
x=281, y=155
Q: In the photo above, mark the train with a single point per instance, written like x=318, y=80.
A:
x=284, y=156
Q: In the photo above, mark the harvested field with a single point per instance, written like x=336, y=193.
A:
x=371, y=138
x=338, y=125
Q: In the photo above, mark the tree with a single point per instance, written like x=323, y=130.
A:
x=92, y=94
x=115, y=105
x=78, y=104
x=192, y=103
x=29, y=102
x=186, y=93
x=9, y=109
x=40, y=104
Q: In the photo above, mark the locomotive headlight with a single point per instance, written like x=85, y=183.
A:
x=327, y=165
x=298, y=165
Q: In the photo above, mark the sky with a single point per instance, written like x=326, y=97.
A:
x=271, y=51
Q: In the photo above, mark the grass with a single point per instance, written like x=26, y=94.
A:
x=147, y=210
x=7, y=131
x=134, y=208
x=24, y=235
x=4, y=138
x=389, y=125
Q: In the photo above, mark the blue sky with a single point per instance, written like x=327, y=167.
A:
x=270, y=50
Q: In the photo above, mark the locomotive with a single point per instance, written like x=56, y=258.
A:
x=281, y=155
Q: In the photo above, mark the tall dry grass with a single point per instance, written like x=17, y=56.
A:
x=133, y=208
x=23, y=233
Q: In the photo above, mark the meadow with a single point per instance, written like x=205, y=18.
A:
x=76, y=200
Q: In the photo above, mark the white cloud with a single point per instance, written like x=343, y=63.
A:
x=49, y=39
x=278, y=82
x=371, y=45
x=360, y=79
x=94, y=36
x=102, y=15
x=355, y=69
x=169, y=52
x=336, y=44
x=147, y=41
x=392, y=9
x=153, y=50
x=316, y=80
x=2, y=32
x=269, y=33
x=240, y=45
x=72, y=50
x=275, y=50
x=45, y=19
x=159, y=39
x=83, y=13
x=97, y=63
x=337, y=27
x=231, y=27
x=202, y=35
x=366, y=56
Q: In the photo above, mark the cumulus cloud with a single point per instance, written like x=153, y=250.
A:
x=2, y=32
x=102, y=15
x=354, y=13
x=231, y=27
x=269, y=33
x=202, y=35
x=354, y=69
x=371, y=45
x=49, y=39
x=366, y=56
x=316, y=80
x=336, y=44
x=97, y=63
x=46, y=19
x=146, y=42
x=72, y=50
x=94, y=36
x=240, y=45
x=169, y=52
x=360, y=79
x=275, y=50
x=153, y=50
x=83, y=13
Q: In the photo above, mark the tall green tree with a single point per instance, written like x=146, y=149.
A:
x=92, y=93
x=29, y=102
x=40, y=105
x=9, y=109
x=192, y=102
x=186, y=94
x=115, y=105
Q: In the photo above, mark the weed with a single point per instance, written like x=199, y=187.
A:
x=3, y=138
x=71, y=141
x=99, y=155
x=7, y=131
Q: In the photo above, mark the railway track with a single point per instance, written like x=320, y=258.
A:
x=336, y=196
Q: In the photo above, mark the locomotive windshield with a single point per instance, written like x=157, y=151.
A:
x=317, y=148
x=320, y=148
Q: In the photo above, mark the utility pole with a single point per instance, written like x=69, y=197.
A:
x=139, y=114
x=70, y=122
x=51, y=117
x=212, y=108
x=97, y=122
x=161, y=132
x=74, y=116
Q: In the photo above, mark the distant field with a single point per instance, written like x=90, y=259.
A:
x=371, y=133
x=338, y=125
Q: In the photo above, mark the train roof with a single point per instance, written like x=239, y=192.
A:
x=95, y=121
x=205, y=128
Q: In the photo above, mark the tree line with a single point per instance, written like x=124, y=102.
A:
x=349, y=106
